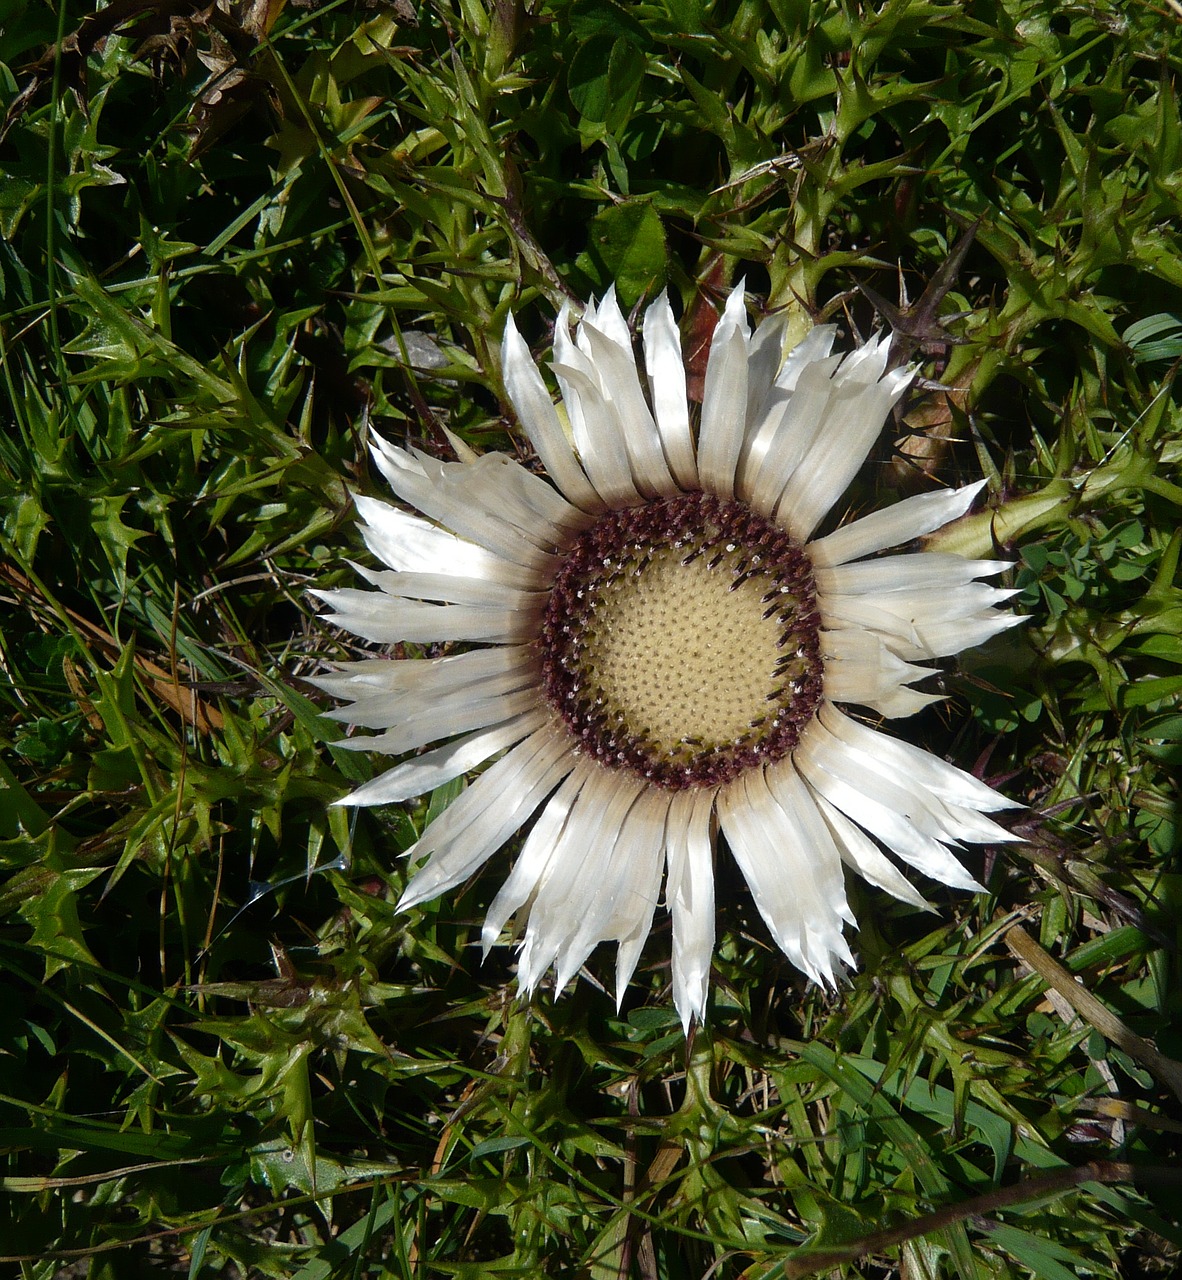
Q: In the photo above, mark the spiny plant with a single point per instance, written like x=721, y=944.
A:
x=232, y=237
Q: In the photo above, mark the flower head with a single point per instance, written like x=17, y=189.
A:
x=655, y=648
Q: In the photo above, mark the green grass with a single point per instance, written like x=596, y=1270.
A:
x=228, y=242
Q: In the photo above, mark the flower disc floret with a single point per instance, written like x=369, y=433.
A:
x=681, y=641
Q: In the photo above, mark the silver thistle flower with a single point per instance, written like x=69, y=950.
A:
x=658, y=650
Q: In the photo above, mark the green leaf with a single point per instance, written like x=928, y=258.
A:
x=604, y=79
x=626, y=244
x=1156, y=337
x=57, y=926
x=1048, y=1260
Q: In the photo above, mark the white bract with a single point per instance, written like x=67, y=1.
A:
x=652, y=648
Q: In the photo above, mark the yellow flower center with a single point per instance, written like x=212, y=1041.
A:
x=680, y=640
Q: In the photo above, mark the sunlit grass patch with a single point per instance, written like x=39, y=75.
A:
x=233, y=237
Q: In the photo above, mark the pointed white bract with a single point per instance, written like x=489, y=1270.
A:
x=475, y=563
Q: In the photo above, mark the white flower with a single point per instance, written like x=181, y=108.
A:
x=656, y=651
